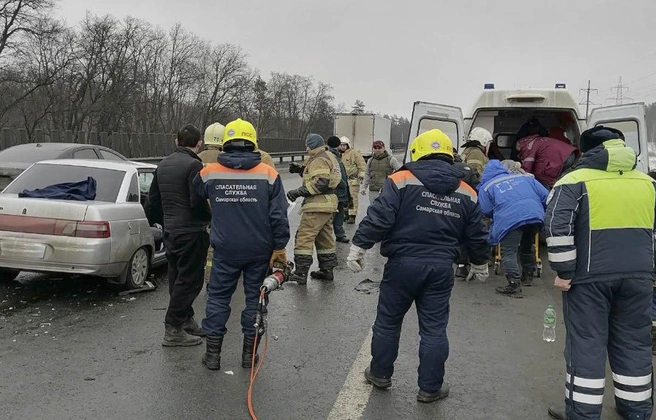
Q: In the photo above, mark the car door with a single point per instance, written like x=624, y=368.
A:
x=630, y=120
x=427, y=116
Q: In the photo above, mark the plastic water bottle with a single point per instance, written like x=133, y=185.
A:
x=549, y=332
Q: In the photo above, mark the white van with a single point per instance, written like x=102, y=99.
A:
x=502, y=113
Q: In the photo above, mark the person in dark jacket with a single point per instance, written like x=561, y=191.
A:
x=515, y=202
x=471, y=178
x=342, y=191
x=249, y=234
x=600, y=237
x=185, y=216
x=422, y=216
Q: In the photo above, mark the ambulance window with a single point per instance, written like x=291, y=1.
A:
x=450, y=128
x=630, y=130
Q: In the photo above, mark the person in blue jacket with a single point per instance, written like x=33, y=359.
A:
x=422, y=216
x=250, y=231
x=515, y=202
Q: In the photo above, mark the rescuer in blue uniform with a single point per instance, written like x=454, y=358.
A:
x=600, y=237
x=422, y=216
x=249, y=234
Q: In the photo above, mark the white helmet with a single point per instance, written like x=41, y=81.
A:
x=345, y=140
x=481, y=135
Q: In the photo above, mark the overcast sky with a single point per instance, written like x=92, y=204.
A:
x=436, y=51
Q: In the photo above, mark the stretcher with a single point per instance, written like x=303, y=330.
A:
x=538, y=261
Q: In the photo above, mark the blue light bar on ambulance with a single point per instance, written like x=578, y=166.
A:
x=561, y=86
x=488, y=86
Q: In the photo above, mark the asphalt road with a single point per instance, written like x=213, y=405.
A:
x=71, y=348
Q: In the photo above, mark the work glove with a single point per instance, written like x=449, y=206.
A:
x=278, y=256
x=293, y=195
x=355, y=259
x=295, y=168
x=478, y=272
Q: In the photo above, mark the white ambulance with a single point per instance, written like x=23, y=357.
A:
x=502, y=113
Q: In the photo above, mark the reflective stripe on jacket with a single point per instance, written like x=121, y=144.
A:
x=249, y=208
x=354, y=164
x=321, y=168
x=600, y=218
x=425, y=212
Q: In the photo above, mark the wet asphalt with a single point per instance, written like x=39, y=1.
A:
x=72, y=348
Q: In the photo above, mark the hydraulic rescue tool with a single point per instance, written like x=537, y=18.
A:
x=274, y=281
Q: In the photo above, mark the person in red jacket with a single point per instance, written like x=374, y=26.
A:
x=545, y=157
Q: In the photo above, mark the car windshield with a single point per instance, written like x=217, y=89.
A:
x=44, y=175
x=29, y=154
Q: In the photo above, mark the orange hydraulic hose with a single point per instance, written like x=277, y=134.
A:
x=255, y=371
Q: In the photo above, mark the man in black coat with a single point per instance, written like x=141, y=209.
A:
x=185, y=216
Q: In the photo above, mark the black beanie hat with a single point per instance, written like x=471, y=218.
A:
x=333, y=141
x=596, y=136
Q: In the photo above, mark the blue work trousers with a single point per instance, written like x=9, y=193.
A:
x=609, y=318
x=429, y=287
x=223, y=283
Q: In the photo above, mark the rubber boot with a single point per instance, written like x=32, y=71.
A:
x=323, y=275
x=513, y=289
x=177, y=337
x=212, y=356
x=302, y=264
x=191, y=327
x=327, y=262
x=429, y=397
x=527, y=280
x=247, y=351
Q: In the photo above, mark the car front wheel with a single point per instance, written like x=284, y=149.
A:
x=137, y=269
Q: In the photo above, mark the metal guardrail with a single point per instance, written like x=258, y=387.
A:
x=275, y=155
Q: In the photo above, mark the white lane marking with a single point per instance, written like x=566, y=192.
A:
x=354, y=396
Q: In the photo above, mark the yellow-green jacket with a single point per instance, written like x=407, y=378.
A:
x=600, y=218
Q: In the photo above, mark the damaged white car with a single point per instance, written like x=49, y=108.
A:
x=103, y=232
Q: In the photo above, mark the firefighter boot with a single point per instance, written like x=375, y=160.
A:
x=178, y=337
x=327, y=262
x=302, y=264
x=247, y=351
x=513, y=289
x=191, y=327
x=212, y=356
x=527, y=280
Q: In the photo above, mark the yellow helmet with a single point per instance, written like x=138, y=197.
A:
x=431, y=142
x=240, y=130
x=214, y=134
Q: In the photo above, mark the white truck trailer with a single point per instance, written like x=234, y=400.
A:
x=363, y=130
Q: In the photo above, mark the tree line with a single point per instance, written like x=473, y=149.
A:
x=110, y=75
